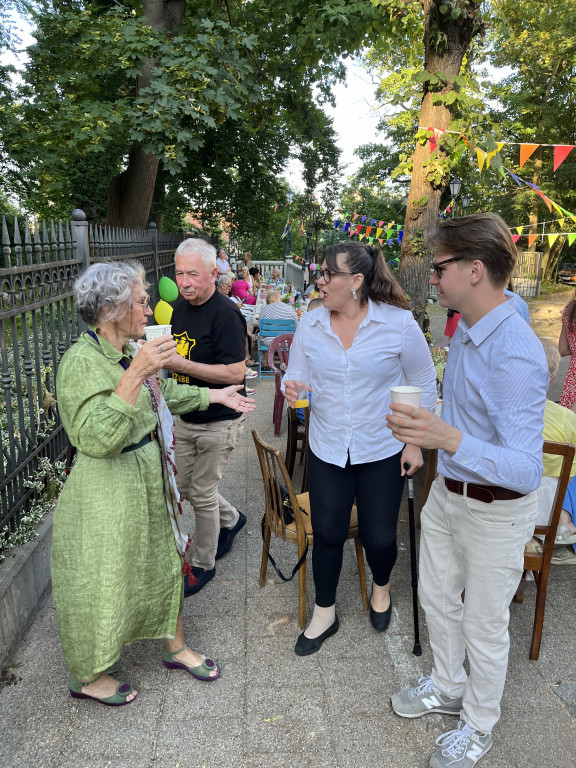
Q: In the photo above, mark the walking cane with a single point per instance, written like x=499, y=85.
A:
x=417, y=650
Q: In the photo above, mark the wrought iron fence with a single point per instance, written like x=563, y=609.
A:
x=38, y=322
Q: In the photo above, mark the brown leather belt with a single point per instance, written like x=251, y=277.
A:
x=485, y=493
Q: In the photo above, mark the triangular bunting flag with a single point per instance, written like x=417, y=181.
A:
x=372, y=221
x=526, y=151
x=519, y=230
x=389, y=234
x=351, y=232
x=481, y=155
x=516, y=179
x=400, y=235
x=336, y=224
x=571, y=238
x=515, y=238
x=552, y=239
x=364, y=219
x=370, y=239
x=561, y=222
x=379, y=231
x=355, y=216
x=561, y=152
x=531, y=239
x=380, y=223
x=381, y=240
x=368, y=230
x=358, y=228
x=360, y=236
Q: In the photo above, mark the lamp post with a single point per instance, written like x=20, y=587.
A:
x=466, y=200
x=288, y=250
x=455, y=184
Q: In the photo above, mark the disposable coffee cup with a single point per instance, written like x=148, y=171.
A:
x=407, y=395
x=153, y=331
x=301, y=382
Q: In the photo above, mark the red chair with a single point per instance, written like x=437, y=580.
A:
x=280, y=348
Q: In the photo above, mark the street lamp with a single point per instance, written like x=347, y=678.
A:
x=466, y=200
x=455, y=184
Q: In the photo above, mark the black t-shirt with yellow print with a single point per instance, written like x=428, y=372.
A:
x=213, y=333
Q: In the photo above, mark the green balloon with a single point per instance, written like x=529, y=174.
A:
x=168, y=289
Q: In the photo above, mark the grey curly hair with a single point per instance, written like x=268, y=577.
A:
x=104, y=291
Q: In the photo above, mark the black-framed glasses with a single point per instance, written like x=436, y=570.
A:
x=438, y=268
x=326, y=274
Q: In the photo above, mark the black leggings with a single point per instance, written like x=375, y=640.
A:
x=377, y=487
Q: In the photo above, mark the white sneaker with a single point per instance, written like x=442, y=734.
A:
x=461, y=748
x=424, y=699
x=250, y=374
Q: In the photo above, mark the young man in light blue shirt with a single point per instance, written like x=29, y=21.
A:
x=482, y=508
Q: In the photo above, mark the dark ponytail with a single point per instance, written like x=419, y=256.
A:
x=378, y=284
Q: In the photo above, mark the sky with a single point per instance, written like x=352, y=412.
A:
x=355, y=120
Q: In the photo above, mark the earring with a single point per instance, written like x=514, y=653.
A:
x=354, y=294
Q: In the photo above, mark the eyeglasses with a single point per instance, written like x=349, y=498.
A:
x=326, y=274
x=143, y=304
x=438, y=268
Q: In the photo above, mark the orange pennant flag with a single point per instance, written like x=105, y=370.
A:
x=381, y=240
x=561, y=152
x=368, y=230
x=531, y=239
x=526, y=151
x=355, y=216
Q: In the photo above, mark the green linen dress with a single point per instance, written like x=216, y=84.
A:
x=116, y=573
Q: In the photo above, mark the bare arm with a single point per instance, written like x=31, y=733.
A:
x=213, y=374
x=563, y=345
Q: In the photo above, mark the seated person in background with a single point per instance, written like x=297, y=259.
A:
x=275, y=309
x=223, y=285
x=255, y=279
x=312, y=291
x=241, y=288
x=222, y=262
x=559, y=427
x=276, y=275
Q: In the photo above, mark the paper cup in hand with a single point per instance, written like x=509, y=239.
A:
x=406, y=395
x=152, y=331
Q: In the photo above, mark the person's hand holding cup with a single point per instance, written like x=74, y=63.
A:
x=407, y=395
x=296, y=389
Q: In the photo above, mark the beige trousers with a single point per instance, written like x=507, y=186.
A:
x=201, y=453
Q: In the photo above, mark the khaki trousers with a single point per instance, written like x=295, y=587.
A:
x=201, y=453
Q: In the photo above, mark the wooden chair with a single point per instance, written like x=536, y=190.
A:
x=274, y=473
x=539, y=562
x=279, y=348
x=297, y=442
x=271, y=328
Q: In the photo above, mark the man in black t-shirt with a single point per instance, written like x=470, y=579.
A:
x=210, y=342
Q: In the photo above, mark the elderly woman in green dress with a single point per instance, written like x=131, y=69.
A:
x=118, y=554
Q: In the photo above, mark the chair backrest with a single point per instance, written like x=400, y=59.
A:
x=277, y=327
x=275, y=475
x=280, y=347
x=536, y=562
x=248, y=312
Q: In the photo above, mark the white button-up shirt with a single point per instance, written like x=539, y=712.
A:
x=351, y=388
x=494, y=389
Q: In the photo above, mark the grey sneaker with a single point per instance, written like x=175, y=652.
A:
x=424, y=699
x=564, y=556
x=461, y=748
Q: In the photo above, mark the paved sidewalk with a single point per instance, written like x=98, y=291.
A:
x=270, y=708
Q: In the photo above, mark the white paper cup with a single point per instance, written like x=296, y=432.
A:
x=406, y=395
x=152, y=331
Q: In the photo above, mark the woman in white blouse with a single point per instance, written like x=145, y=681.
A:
x=361, y=342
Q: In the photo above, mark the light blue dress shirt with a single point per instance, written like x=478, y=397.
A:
x=494, y=387
x=351, y=388
x=519, y=305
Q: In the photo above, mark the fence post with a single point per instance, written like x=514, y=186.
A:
x=80, y=237
x=153, y=234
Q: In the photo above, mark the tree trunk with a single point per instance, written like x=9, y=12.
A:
x=424, y=195
x=131, y=192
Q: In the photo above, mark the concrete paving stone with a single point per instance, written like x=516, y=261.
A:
x=112, y=733
x=187, y=698
x=223, y=640
x=287, y=720
x=378, y=742
x=272, y=662
x=200, y=742
x=521, y=737
x=291, y=760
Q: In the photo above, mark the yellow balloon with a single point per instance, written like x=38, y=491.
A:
x=163, y=313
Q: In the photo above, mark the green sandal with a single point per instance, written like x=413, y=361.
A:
x=119, y=699
x=201, y=672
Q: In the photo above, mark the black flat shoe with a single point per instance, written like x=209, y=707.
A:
x=381, y=619
x=306, y=645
